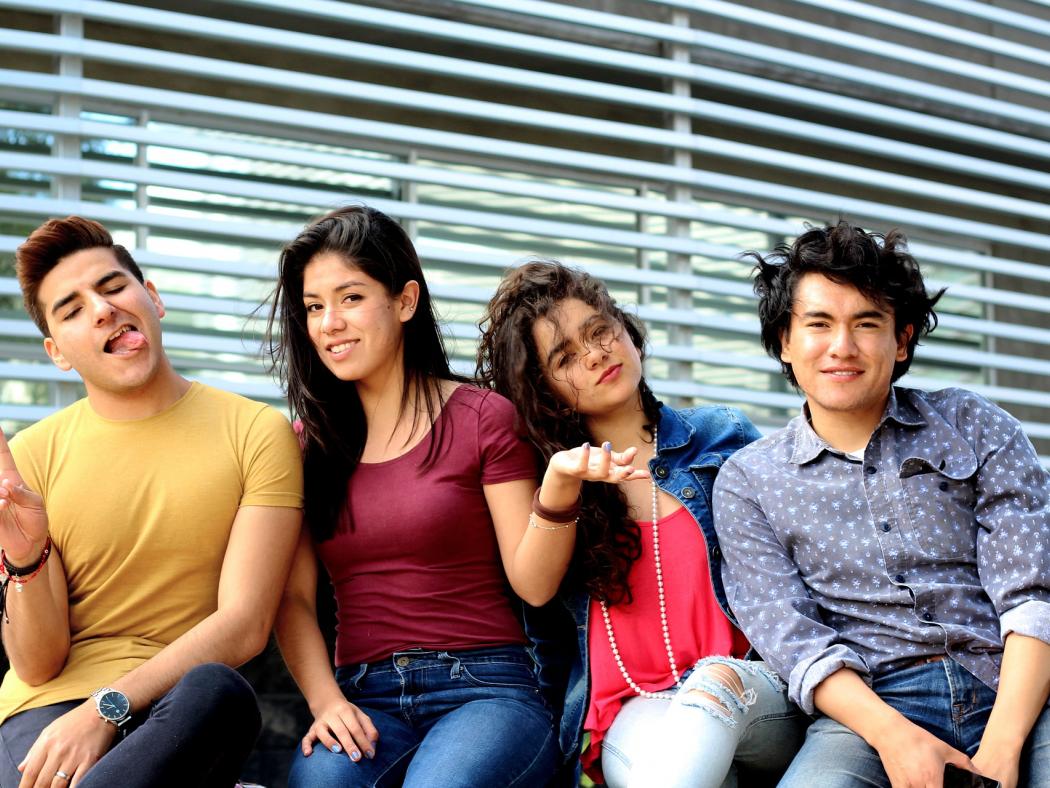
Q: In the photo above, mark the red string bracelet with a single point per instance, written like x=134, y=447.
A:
x=19, y=575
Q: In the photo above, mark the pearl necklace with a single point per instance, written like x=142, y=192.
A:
x=663, y=611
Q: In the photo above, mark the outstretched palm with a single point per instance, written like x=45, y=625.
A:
x=23, y=521
x=598, y=464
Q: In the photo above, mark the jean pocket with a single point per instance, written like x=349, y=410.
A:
x=500, y=674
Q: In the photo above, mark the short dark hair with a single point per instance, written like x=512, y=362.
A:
x=48, y=244
x=879, y=266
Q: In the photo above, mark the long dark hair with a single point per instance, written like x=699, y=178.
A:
x=608, y=541
x=334, y=428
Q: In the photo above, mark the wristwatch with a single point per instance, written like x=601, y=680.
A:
x=113, y=706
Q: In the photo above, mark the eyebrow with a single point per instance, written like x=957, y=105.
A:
x=343, y=286
x=868, y=313
x=557, y=349
x=581, y=329
x=99, y=284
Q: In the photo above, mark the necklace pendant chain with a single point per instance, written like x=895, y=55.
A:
x=664, y=626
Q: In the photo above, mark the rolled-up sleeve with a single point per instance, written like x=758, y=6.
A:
x=768, y=596
x=1012, y=510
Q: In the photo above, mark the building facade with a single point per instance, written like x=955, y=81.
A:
x=649, y=141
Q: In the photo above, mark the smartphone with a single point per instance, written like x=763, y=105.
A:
x=954, y=777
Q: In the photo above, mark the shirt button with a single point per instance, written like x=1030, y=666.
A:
x=927, y=615
x=661, y=471
x=716, y=552
x=886, y=526
x=688, y=492
x=898, y=578
x=402, y=661
x=870, y=469
x=943, y=486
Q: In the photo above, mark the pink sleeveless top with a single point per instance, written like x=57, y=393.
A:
x=697, y=625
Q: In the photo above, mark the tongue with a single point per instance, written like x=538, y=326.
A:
x=127, y=342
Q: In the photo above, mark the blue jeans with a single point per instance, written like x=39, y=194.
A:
x=944, y=699
x=718, y=724
x=200, y=733
x=445, y=718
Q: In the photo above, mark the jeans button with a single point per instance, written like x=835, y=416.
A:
x=661, y=472
x=402, y=662
x=688, y=492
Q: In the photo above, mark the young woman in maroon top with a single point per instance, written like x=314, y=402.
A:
x=418, y=492
x=658, y=680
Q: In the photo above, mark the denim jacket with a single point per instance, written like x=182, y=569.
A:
x=691, y=446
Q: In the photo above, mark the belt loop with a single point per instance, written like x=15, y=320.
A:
x=457, y=665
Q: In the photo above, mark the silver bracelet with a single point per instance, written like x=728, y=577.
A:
x=562, y=527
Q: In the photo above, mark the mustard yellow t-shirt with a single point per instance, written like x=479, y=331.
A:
x=140, y=512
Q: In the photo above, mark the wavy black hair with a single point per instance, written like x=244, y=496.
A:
x=334, y=428
x=879, y=266
x=608, y=540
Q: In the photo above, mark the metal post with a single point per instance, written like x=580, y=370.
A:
x=142, y=191
x=679, y=299
x=67, y=146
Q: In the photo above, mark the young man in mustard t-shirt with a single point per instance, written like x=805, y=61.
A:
x=147, y=533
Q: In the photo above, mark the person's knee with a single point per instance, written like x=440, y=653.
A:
x=321, y=767
x=718, y=689
x=225, y=696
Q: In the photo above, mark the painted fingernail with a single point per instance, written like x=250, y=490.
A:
x=355, y=756
x=336, y=747
x=370, y=754
x=607, y=446
x=587, y=447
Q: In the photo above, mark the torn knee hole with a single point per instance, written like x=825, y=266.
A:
x=727, y=677
x=709, y=699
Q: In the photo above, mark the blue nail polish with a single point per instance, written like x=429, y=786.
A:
x=355, y=756
x=607, y=446
x=336, y=748
x=370, y=754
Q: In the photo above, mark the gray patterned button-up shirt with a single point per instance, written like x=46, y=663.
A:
x=934, y=544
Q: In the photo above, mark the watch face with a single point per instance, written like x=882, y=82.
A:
x=114, y=705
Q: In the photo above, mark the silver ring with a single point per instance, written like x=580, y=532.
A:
x=62, y=774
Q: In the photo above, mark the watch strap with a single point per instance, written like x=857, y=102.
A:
x=97, y=697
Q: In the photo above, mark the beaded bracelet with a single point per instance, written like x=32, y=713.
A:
x=562, y=527
x=19, y=575
x=567, y=515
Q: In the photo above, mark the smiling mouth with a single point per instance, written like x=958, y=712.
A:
x=342, y=347
x=843, y=373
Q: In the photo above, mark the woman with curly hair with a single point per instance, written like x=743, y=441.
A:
x=660, y=681
x=417, y=498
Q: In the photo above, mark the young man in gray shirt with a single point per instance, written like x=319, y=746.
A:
x=885, y=551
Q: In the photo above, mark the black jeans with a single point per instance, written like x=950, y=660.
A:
x=200, y=734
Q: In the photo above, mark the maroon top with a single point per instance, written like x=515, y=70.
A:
x=422, y=567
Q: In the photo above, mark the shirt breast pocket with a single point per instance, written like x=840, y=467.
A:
x=703, y=473
x=940, y=499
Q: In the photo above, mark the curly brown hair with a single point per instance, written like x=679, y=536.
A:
x=608, y=539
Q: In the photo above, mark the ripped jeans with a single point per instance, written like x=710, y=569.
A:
x=729, y=717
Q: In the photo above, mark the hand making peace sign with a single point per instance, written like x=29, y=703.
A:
x=23, y=521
